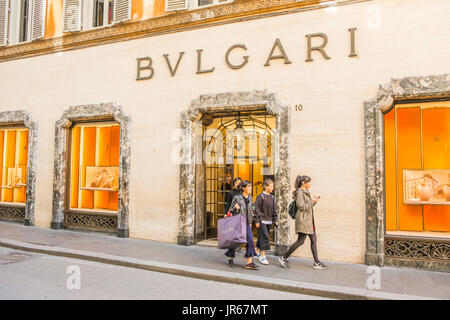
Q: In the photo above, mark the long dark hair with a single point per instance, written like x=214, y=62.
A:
x=234, y=182
x=299, y=182
x=243, y=184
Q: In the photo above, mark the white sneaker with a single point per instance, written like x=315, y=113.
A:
x=319, y=266
x=263, y=260
x=284, y=262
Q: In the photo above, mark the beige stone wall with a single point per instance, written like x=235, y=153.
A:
x=409, y=39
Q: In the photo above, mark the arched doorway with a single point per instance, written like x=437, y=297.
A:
x=235, y=144
x=193, y=171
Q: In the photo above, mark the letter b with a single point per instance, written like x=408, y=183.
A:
x=140, y=67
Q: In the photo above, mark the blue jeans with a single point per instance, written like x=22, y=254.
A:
x=249, y=247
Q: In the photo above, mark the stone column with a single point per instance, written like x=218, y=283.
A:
x=59, y=173
x=187, y=183
x=282, y=192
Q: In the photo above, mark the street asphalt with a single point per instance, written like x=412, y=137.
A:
x=25, y=275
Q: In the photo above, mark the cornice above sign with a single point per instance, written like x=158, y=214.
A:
x=180, y=21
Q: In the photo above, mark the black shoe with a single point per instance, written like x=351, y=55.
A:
x=230, y=263
x=251, y=266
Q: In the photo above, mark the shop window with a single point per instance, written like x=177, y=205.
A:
x=13, y=159
x=94, y=166
x=417, y=168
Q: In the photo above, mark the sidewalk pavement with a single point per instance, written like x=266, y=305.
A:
x=340, y=281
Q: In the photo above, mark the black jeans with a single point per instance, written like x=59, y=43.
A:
x=300, y=241
x=263, y=237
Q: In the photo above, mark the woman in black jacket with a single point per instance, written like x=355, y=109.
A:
x=233, y=192
x=243, y=204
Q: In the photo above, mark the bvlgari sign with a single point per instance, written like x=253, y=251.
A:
x=145, y=69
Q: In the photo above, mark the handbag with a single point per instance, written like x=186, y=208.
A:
x=293, y=209
x=231, y=231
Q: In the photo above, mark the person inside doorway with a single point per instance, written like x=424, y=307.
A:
x=304, y=221
x=265, y=218
x=233, y=192
x=243, y=204
x=226, y=188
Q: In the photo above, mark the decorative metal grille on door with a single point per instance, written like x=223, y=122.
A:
x=235, y=145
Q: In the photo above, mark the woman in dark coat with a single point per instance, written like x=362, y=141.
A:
x=233, y=192
x=243, y=204
x=304, y=221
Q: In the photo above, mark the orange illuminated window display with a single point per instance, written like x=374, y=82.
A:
x=94, y=167
x=417, y=168
x=13, y=159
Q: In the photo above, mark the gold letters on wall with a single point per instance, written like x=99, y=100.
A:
x=146, y=71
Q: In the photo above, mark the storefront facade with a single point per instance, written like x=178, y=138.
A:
x=407, y=153
x=132, y=129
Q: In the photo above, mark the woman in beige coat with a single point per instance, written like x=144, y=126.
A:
x=304, y=221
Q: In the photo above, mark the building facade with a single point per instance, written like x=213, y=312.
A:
x=131, y=116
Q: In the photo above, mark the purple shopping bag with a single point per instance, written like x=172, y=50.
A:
x=232, y=231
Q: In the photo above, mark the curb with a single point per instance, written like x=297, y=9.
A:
x=320, y=290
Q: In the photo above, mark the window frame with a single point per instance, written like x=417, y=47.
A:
x=194, y=4
x=14, y=127
x=106, y=122
x=14, y=24
x=422, y=104
x=87, y=16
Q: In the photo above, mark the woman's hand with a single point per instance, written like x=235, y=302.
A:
x=316, y=199
x=257, y=225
